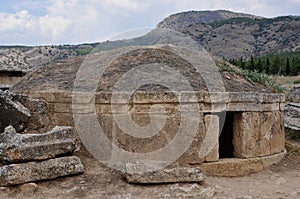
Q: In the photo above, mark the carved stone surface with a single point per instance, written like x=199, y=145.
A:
x=34, y=171
x=212, y=133
x=16, y=147
x=258, y=134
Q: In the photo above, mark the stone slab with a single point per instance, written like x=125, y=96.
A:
x=15, y=174
x=147, y=174
x=26, y=147
x=232, y=167
x=235, y=167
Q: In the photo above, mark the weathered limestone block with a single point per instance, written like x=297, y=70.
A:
x=258, y=134
x=212, y=133
x=232, y=167
x=12, y=113
x=240, y=167
x=147, y=174
x=45, y=170
x=16, y=147
x=38, y=110
x=162, y=134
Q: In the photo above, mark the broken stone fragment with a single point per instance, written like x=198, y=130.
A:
x=15, y=147
x=292, y=116
x=15, y=174
x=12, y=113
x=147, y=174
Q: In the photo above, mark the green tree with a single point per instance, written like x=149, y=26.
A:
x=252, y=65
x=268, y=66
x=295, y=69
x=275, y=68
x=259, y=66
x=287, y=67
x=242, y=62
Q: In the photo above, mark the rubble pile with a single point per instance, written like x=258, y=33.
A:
x=32, y=157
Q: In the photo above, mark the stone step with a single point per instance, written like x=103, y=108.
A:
x=148, y=174
x=15, y=147
x=15, y=174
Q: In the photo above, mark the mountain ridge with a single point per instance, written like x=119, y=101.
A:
x=184, y=19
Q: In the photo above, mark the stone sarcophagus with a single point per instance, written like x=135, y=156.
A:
x=232, y=131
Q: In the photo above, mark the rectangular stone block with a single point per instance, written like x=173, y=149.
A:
x=62, y=107
x=242, y=106
x=47, y=96
x=258, y=134
x=150, y=174
x=232, y=167
x=16, y=147
x=63, y=97
x=215, y=108
x=15, y=174
x=212, y=137
x=137, y=140
x=243, y=97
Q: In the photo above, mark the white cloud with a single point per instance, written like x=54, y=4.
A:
x=18, y=20
x=55, y=26
x=77, y=21
x=126, y=4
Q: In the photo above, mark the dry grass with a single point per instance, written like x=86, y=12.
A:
x=287, y=82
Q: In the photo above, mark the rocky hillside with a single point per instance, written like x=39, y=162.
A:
x=243, y=37
x=185, y=19
x=235, y=35
x=27, y=58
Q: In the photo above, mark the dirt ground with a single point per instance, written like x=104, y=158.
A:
x=279, y=181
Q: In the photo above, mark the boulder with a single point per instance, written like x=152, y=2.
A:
x=15, y=174
x=151, y=174
x=295, y=94
x=39, y=111
x=12, y=113
x=292, y=116
x=15, y=147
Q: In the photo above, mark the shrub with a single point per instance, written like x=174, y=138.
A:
x=297, y=81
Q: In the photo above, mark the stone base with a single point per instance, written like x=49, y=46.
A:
x=240, y=167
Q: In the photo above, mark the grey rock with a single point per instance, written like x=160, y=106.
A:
x=15, y=174
x=295, y=94
x=292, y=116
x=148, y=174
x=38, y=110
x=12, y=113
x=15, y=147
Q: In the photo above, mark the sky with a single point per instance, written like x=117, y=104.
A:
x=47, y=22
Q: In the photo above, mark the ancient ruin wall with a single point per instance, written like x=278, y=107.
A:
x=258, y=129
